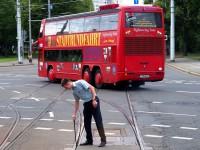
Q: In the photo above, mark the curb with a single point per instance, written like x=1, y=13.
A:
x=183, y=70
x=14, y=65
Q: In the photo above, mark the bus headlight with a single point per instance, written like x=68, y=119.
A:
x=160, y=68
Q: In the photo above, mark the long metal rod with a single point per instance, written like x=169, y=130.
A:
x=30, y=34
x=49, y=9
x=172, y=33
x=19, y=32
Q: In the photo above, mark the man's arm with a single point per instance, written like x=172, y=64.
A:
x=94, y=102
x=92, y=89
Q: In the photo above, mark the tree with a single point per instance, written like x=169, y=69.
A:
x=187, y=23
x=59, y=8
x=39, y=10
x=7, y=26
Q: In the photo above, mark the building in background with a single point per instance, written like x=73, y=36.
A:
x=98, y=3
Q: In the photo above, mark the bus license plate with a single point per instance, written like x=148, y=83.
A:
x=144, y=76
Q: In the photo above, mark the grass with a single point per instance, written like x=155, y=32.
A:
x=195, y=56
x=8, y=59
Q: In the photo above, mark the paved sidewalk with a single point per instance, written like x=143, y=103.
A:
x=187, y=65
x=15, y=63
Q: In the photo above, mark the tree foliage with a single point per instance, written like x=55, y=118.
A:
x=187, y=24
x=39, y=11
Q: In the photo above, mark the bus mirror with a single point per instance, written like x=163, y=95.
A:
x=166, y=37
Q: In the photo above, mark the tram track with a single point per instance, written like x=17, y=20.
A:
x=8, y=144
x=4, y=143
x=130, y=119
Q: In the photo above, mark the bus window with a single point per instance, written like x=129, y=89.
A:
x=76, y=25
x=151, y=20
x=59, y=26
x=63, y=55
x=109, y=22
x=72, y=56
x=50, y=28
x=92, y=24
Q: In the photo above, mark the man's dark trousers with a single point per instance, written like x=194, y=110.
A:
x=88, y=112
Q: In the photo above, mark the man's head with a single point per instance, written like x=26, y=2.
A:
x=67, y=83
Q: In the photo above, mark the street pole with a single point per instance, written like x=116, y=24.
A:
x=172, y=32
x=19, y=32
x=30, y=35
x=49, y=9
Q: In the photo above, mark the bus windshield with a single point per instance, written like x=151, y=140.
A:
x=146, y=20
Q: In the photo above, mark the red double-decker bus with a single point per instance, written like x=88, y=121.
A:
x=112, y=45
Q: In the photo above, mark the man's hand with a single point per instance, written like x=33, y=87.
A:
x=94, y=103
x=74, y=116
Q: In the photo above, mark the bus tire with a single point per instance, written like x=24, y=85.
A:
x=51, y=75
x=98, y=79
x=87, y=75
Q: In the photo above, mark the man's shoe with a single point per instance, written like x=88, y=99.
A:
x=86, y=143
x=102, y=144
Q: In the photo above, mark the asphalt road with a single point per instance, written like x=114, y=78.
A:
x=167, y=113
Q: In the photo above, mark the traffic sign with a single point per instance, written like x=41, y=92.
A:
x=136, y=1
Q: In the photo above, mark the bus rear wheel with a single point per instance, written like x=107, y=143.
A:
x=51, y=75
x=87, y=75
x=98, y=79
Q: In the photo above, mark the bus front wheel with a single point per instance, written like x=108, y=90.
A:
x=98, y=80
x=87, y=75
x=51, y=75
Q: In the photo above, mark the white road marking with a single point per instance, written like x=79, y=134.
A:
x=65, y=120
x=33, y=85
x=188, y=128
x=156, y=102
x=188, y=83
x=46, y=119
x=26, y=118
x=156, y=85
x=113, y=111
x=162, y=113
x=34, y=98
x=5, y=117
x=153, y=136
x=188, y=92
x=65, y=130
x=25, y=107
x=2, y=88
x=1, y=126
x=16, y=92
x=15, y=98
x=109, y=133
x=181, y=138
x=116, y=123
x=4, y=83
x=70, y=100
x=42, y=128
x=51, y=114
x=161, y=125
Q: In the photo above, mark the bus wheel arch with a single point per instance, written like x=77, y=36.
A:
x=86, y=74
x=97, y=77
x=51, y=74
